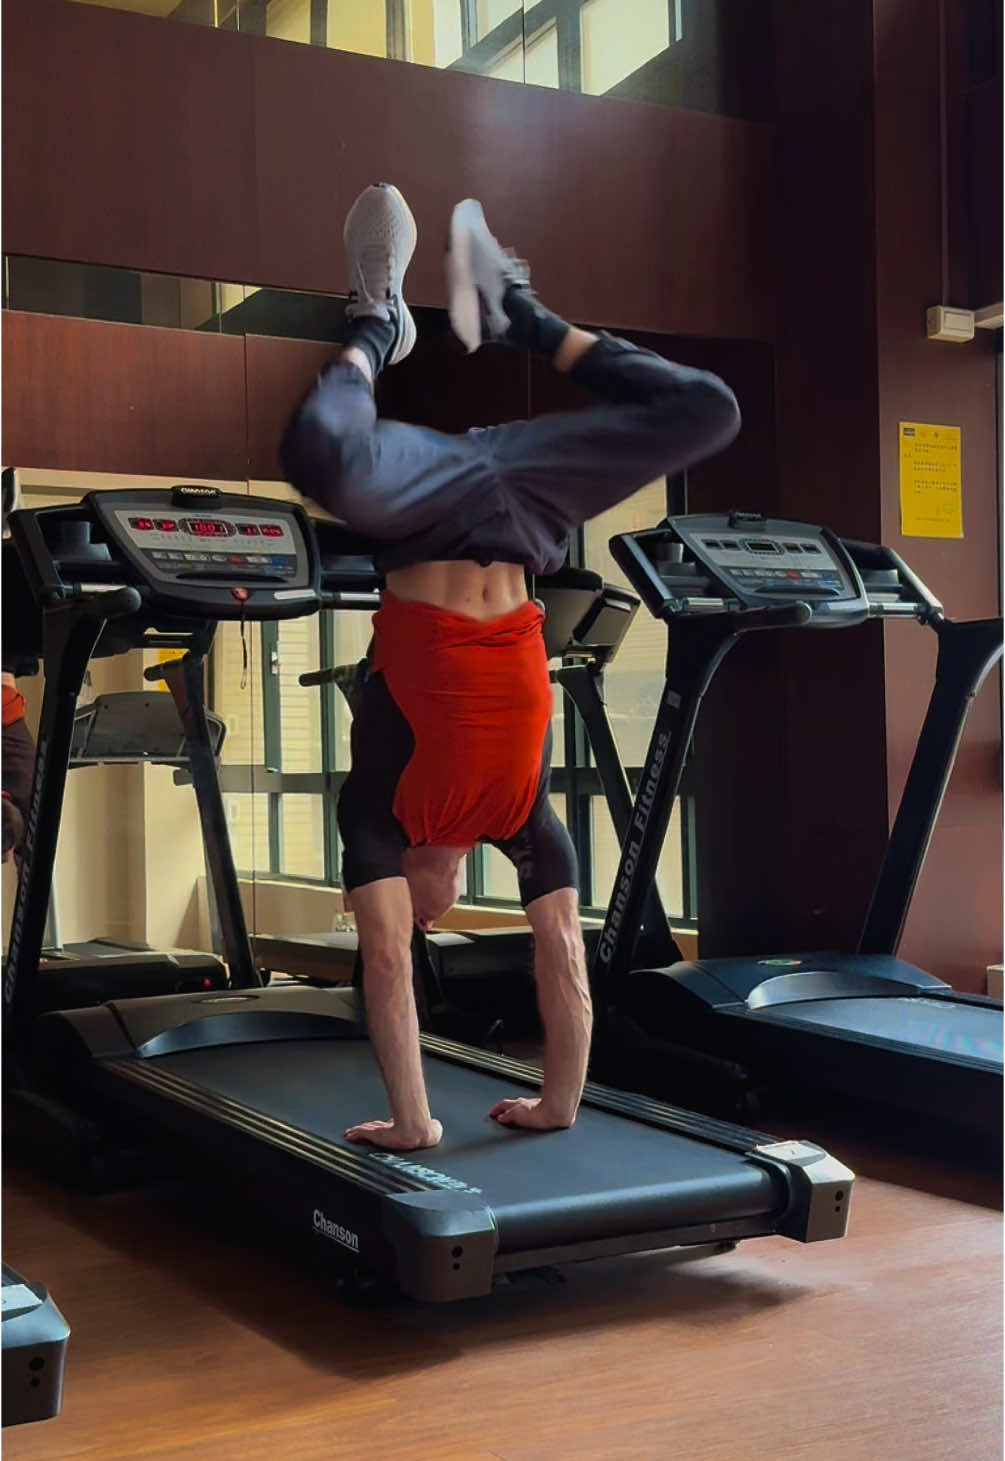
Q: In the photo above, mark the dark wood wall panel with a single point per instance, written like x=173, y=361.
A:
x=183, y=150
x=955, y=923
x=630, y=215
x=829, y=706
x=134, y=141
x=984, y=179
x=81, y=395
x=280, y=373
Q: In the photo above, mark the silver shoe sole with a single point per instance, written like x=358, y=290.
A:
x=474, y=279
x=361, y=229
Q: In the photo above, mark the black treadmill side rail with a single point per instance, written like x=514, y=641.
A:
x=392, y=1213
x=369, y=1211
x=819, y=1187
x=35, y=1336
x=388, y=1212
x=967, y=653
x=70, y=631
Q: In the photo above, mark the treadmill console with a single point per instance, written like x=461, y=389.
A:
x=188, y=550
x=724, y=562
x=790, y=561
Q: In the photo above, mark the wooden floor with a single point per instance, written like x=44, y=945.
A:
x=191, y=1344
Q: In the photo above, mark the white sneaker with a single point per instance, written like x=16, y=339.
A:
x=479, y=271
x=380, y=237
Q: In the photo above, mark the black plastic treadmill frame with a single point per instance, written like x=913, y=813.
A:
x=34, y=1342
x=396, y=1216
x=695, y=650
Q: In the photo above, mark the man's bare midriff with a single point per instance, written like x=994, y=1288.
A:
x=462, y=588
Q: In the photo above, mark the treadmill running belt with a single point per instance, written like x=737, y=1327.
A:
x=969, y=1031
x=607, y=1175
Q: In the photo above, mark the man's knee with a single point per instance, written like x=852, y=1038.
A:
x=700, y=401
x=327, y=451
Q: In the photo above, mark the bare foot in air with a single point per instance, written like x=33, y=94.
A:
x=531, y=1114
x=391, y=1136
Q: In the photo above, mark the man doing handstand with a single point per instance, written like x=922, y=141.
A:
x=451, y=737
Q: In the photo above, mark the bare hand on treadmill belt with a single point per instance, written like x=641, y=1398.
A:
x=529, y=1113
x=393, y=1137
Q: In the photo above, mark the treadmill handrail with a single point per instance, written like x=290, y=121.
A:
x=968, y=651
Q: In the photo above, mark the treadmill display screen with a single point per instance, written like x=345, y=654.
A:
x=208, y=527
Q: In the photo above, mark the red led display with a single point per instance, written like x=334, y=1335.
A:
x=141, y=524
x=271, y=530
x=208, y=527
x=248, y=530
x=167, y=525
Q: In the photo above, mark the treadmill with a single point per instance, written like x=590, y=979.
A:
x=34, y=1339
x=253, y=1087
x=858, y=1031
x=81, y=973
x=475, y=984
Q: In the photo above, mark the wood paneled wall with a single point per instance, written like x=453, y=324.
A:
x=85, y=395
x=956, y=916
x=233, y=157
x=860, y=250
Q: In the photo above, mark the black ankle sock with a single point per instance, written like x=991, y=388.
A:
x=373, y=336
x=531, y=325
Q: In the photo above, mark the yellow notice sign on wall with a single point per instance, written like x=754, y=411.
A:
x=931, y=481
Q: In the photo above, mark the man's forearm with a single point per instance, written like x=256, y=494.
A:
x=393, y=1026
x=563, y=995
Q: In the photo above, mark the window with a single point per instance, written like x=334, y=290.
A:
x=302, y=845
x=289, y=20
x=635, y=677
x=718, y=55
x=509, y=66
x=541, y=58
x=617, y=39
x=357, y=25
x=491, y=13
